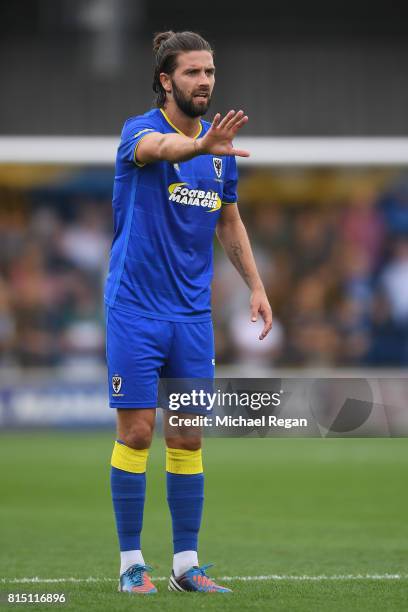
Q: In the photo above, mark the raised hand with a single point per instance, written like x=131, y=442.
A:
x=218, y=139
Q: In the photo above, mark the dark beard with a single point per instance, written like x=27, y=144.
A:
x=187, y=106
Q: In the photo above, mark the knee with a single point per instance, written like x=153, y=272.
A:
x=138, y=436
x=192, y=443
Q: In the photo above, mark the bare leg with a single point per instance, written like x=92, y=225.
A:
x=135, y=427
x=180, y=436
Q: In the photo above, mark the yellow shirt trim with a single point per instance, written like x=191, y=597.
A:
x=176, y=128
x=148, y=131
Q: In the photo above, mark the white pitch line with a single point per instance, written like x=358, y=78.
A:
x=271, y=577
x=319, y=578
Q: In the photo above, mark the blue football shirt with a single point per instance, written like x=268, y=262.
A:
x=165, y=214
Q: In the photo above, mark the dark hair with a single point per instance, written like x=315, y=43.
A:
x=167, y=46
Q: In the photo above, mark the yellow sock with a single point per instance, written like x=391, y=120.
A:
x=129, y=459
x=180, y=461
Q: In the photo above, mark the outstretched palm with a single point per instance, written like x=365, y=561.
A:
x=218, y=139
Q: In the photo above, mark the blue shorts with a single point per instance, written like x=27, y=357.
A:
x=140, y=351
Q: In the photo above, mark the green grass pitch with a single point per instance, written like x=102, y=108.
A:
x=285, y=507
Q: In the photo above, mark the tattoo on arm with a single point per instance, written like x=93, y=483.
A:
x=237, y=259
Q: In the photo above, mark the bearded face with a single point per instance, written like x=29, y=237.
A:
x=193, y=104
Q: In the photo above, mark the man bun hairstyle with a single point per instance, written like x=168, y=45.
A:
x=160, y=38
x=166, y=48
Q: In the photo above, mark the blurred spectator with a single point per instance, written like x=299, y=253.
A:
x=313, y=341
x=83, y=331
x=390, y=310
x=362, y=226
x=271, y=225
x=353, y=324
x=85, y=242
x=35, y=307
x=394, y=207
x=312, y=239
x=7, y=325
x=394, y=282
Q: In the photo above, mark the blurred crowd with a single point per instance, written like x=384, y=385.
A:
x=53, y=263
x=336, y=275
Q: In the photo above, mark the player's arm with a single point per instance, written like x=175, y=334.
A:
x=233, y=236
x=176, y=147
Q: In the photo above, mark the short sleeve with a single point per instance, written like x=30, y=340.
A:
x=134, y=130
x=230, y=183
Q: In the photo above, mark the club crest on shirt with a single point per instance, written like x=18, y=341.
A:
x=116, y=383
x=217, y=161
